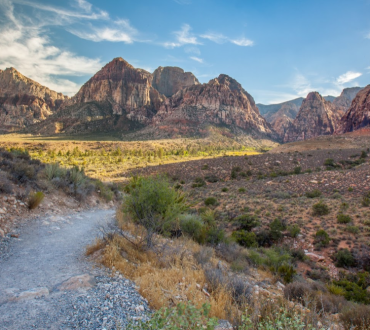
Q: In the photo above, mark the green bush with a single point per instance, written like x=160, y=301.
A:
x=353, y=291
x=191, y=225
x=245, y=238
x=105, y=192
x=247, y=222
x=343, y=218
x=225, y=189
x=320, y=208
x=294, y=230
x=210, y=201
x=365, y=201
x=35, y=199
x=242, y=190
x=198, y=182
x=276, y=228
x=344, y=258
x=53, y=171
x=297, y=170
x=314, y=193
x=322, y=238
x=183, y=316
x=153, y=204
x=286, y=272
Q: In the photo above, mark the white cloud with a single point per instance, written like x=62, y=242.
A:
x=25, y=47
x=197, y=59
x=242, y=42
x=183, y=37
x=192, y=50
x=301, y=85
x=368, y=36
x=215, y=37
x=347, y=77
x=121, y=31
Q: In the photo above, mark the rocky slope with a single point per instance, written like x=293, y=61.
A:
x=316, y=117
x=268, y=110
x=24, y=102
x=221, y=101
x=343, y=102
x=169, y=80
x=358, y=115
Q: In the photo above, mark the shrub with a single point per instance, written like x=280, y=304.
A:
x=320, y=208
x=297, y=170
x=5, y=186
x=224, y=189
x=281, y=195
x=205, y=167
x=353, y=229
x=211, y=178
x=22, y=172
x=35, y=199
x=103, y=189
x=154, y=205
x=353, y=291
x=198, y=182
x=365, y=201
x=214, y=235
x=245, y=238
x=329, y=162
x=276, y=228
x=183, y=316
x=343, y=218
x=191, y=225
x=313, y=194
x=264, y=237
x=355, y=317
x=242, y=190
x=210, y=201
x=287, y=272
x=204, y=255
x=363, y=154
x=294, y=230
x=350, y=189
x=247, y=222
x=322, y=238
x=53, y=171
x=298, y=254
x=344, y=258
x=336, y=290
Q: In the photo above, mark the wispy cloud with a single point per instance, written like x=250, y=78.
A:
x=242, y=42
x=183, y=37
x=120, y=31
x=215, y=37
x=197, y=59
x=368, y=36
x=347, y=77
x=25, y=46
x=301, y=85
x=192, y=50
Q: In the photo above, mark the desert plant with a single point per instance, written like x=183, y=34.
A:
x=344, y=258
x=224, y=189
x=286, y=272
x=52, y=171
x=320, y=208
x=322, y=238
x=294, y=230
x=183, y=316
x=276, y=228
x=198, y=182
x=210, y=201
x=191, y=225
x=343, y=218
x=154, y=205
x=35, y=199
x=356, y=317
x=313, y=193
x=245, y=238
x=247, y=222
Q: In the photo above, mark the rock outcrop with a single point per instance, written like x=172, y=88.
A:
x=358, y=115
x=127, y=89
x=221, y=101
x=169, y=80
x=24, y=102
x=344, y=101
x=270, y=109
x=316, y=117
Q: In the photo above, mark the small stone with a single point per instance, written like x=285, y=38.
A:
x=33, y=293
x=80, y=282
x=280, y=285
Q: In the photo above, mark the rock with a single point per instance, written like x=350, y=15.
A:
x=345, y=99
x=14, y=235
x=315, y=257
x=2, y=234
x=280, y=285
x=358, y=115
x=33, y=293
x=24, y=102
x=169, y=80
x=224, y=325
x=221, y=101
x=315, y=117
x=80, y=282
x=2, y=211
x=139, y=308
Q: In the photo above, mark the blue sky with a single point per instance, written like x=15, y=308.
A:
x=278, y=50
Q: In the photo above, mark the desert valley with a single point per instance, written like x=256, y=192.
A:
x=156, y=199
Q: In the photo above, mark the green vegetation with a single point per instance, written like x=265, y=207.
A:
x=320, y=208
x=35, y=199
x=343, y=218
x=322, y=238
x=245, y=238
x=313, y=194
x=344, y=258
x=210, y=201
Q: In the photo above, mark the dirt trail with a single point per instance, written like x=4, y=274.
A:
x=47, y=283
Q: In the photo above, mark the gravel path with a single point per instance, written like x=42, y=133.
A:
x=47, y=283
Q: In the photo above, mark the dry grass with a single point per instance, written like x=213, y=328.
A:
x=35, y=199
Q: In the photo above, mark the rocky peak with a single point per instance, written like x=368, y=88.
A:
x=127, y=89
x=169, y=80
x=23, y=101
x=316, y=117
x=345, y=99
x=358, y=115
x=221, y=101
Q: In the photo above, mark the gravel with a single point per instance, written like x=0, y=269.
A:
x=50, y=252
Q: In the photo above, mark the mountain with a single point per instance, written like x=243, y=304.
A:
x=316, y=117
x=221, y=101
x=344, y=101
x=358, y=115
x=124, y=99
x=329, y=98
x=270, y=109
x=169, y=80
x=24, y=102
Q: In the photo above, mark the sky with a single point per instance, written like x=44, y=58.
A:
x=277, y=50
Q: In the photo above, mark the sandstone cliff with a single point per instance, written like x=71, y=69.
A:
x=358, y=115
x=127, y=89
x=221, y=101
x=24, y=102
x=343, y=102
x=169, y=80
x=316, y=117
